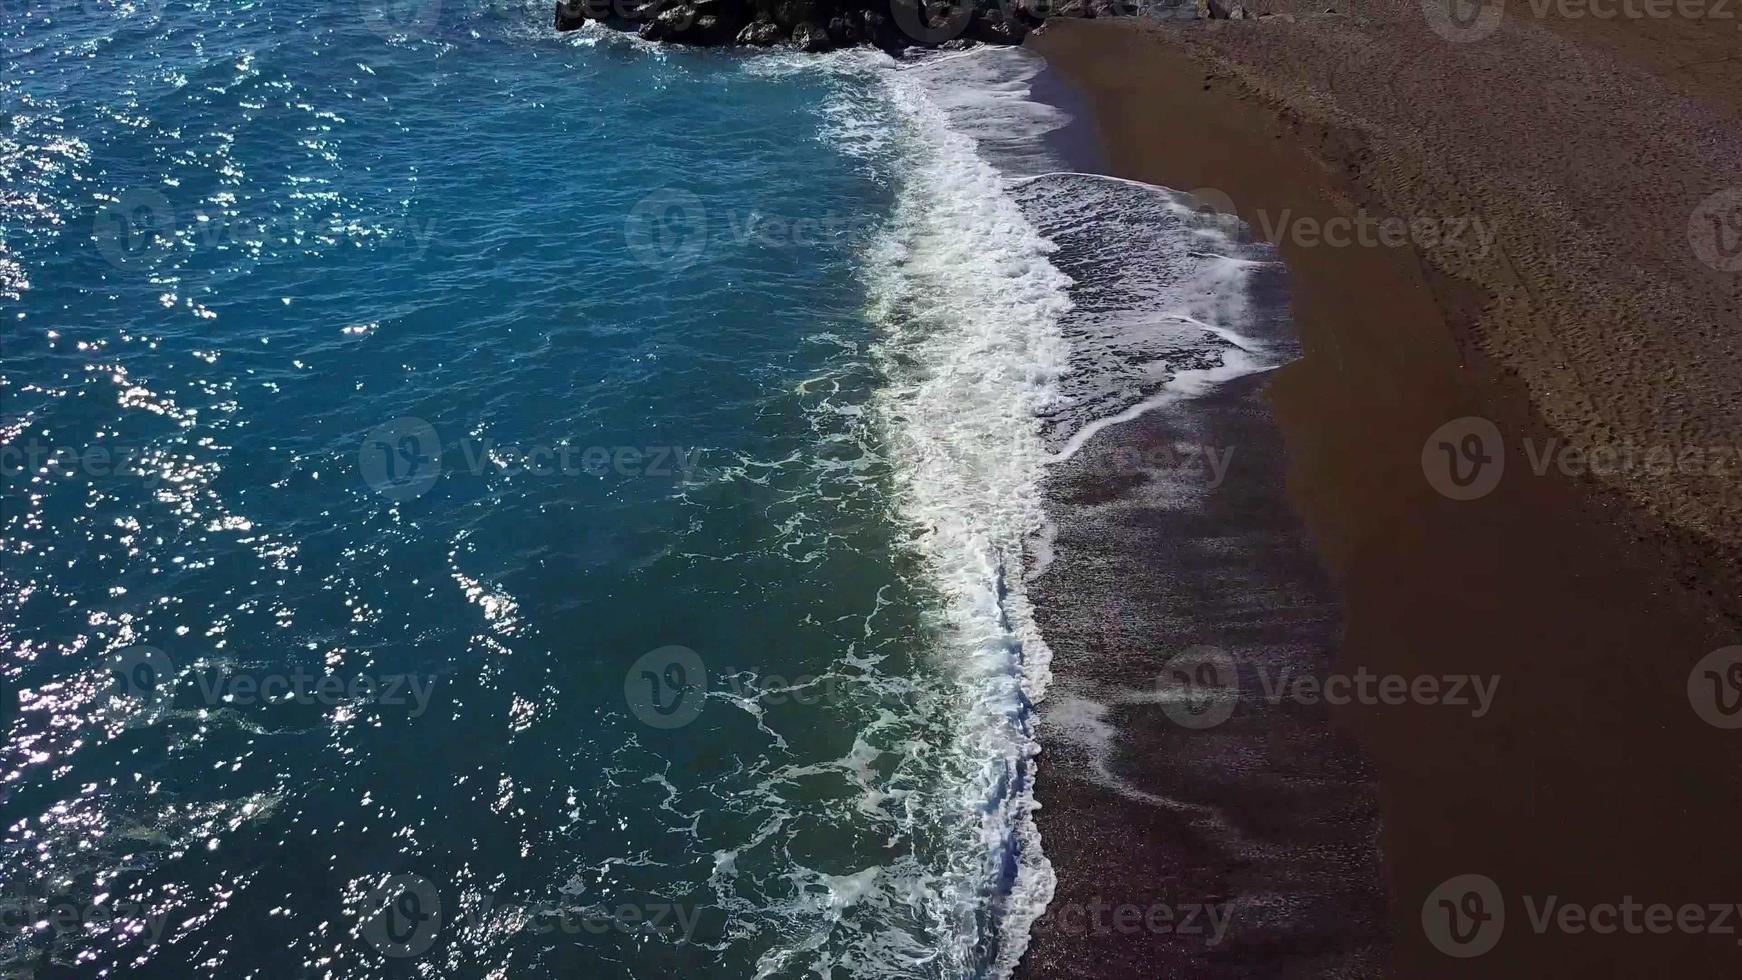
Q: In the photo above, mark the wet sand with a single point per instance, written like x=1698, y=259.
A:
x=1328, y=547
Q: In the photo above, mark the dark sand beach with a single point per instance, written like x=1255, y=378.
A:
x=1587, y=319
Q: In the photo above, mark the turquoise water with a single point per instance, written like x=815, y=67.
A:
x=480, y=503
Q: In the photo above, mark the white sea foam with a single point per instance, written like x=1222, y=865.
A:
x=1163, y=299
x=1025, y=310
x=985, y=95
x=970, y=304
x=1021, y=311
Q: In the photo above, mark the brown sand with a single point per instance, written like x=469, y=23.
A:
x=1589, y=321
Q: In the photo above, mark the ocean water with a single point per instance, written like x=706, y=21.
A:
x=486, y=503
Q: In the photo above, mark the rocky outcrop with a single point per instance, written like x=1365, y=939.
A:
x=761, y=34
x=824, y=25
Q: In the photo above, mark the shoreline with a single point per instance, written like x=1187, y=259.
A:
x=1243, y=855
x=1588, y=609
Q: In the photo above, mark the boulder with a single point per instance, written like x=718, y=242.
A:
x=641, y=11
x=761, y=33
x=990, y=26
x=686, y=23
x=876, y=27
x=1036, y=11
x=810, y=37
x=571, y=15
x=715, y=29
x=823, y=25
x=844, y=31
x=791, y=13
x=670, y=24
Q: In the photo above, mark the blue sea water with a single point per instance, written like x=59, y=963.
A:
x=487, y=503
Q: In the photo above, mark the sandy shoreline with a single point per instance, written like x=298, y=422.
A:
x=1586, y=319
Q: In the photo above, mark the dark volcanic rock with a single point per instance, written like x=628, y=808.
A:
x=571, y=14
x=876, y=27
x=822, y=25
x=1036, y=11
x=992, y=26
x=670, y=24
x=791, y=13
x=733, y=10
x=689, y=23
x=844, y=31
x=810, y=37
x=761, y=33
